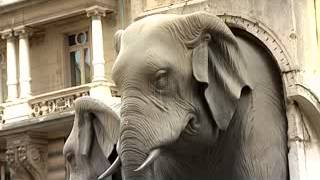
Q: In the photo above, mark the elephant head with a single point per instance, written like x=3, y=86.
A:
x=180, y=78
x=92, y=138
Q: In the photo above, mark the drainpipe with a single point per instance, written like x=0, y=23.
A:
x=122, y=8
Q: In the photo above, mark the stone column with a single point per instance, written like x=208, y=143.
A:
x=98, y=61
x=11, y=65
x=24, y=61
x=3, y=172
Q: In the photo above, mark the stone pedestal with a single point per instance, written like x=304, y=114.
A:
x=27, y=155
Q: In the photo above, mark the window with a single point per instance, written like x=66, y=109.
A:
x=79, y=58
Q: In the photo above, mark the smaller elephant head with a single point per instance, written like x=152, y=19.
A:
x=91, y=141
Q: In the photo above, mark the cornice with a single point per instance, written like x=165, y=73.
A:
x=18, y=4
x=56, y=12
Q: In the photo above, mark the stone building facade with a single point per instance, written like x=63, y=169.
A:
x=54, y=51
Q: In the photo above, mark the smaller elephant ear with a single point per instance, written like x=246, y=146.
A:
x=117, y=40
x=97, y=119
x=217, y=61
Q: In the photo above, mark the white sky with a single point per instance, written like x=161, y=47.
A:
x=7, y=2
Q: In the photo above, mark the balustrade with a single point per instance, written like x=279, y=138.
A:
x=52, y=103
x=57, y=101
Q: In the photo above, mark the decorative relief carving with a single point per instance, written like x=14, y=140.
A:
x=1, y=115
x=56, y=104
x=97, y=11
x=115, y=91
x=27, y=156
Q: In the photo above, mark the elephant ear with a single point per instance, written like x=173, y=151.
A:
x=97, y=119
x=217, y=61
x=117, y=40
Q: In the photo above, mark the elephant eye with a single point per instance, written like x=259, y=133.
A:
x=69, y=157
x=161, y=80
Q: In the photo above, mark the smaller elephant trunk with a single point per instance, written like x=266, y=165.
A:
x=112, y=169
x=114, y=166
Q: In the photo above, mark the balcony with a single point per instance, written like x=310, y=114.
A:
x=50, y=105
x=73, y=61
x=57, y=101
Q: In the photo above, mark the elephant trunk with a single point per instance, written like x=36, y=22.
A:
x=134, y=150
x=132, y=157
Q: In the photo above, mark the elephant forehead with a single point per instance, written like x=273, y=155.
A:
x=148, y=25
x=143, y=62
x=146, y=56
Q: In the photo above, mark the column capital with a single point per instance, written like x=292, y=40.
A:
x=7, y=34
x=23, y=31
x=97, y=11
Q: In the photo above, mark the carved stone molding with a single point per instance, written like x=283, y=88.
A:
x=58, y=102
x=264, y=34
x=27, y=156
x=23, y=31
x=96, y=11
x=7, y=34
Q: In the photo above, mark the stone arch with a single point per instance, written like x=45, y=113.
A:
x=265, y=35
x=270, y=40
x=303, y=106
x=294, y=88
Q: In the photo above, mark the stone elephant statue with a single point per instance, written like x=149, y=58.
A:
x=197, y=103
x=92, y=138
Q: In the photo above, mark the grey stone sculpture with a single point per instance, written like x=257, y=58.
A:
x=92, y=138
x=198, y=103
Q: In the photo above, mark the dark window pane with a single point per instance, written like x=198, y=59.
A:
x=87, y=36
x=81, y=38
x=72, y=40
x=75, y=68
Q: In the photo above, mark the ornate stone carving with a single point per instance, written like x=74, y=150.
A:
x=27, y=156
x=56, y=103
x=1, y=115
x=23, y=31
x=97, y=11
x=7, y=34
x=263, y=33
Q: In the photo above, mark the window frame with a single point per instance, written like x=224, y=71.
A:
x=80, y=48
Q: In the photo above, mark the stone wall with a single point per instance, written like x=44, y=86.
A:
x=56, y=167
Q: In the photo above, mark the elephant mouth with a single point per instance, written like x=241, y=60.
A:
x=193, y=125
x=191, y=128
x=153, y=155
